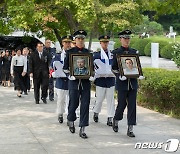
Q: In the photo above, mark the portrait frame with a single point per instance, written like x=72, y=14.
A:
x=88, y=65
x=136, y=69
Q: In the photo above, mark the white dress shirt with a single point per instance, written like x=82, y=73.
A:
x=18, y=61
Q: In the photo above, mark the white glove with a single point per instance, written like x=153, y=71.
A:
x=66, y=71
x=91, y=78
x=54, y=75
x=71, y=78
x=123, y=78
x=141, y=77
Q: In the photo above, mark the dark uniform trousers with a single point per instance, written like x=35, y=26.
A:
x=43, y=82
x=126, y=98
x=76, y=96
x=127, y=90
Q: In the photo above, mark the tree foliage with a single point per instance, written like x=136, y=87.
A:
x=151, y=27
x=54, y=18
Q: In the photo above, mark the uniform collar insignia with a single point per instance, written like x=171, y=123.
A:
x=126, y=52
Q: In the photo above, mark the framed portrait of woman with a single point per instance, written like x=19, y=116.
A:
x=129, y=65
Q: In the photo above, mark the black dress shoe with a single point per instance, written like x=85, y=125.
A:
x=60, y=119
x=95, y=117
x=44, y=100
x=71, y=127
x=25, y=93
x=82, y=134
x=109, y=121
x=130, y=134
x=51, y=99
x=115, y=126
x=18, y=95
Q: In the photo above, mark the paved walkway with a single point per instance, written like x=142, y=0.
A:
x=27, y=128
x=163, y=63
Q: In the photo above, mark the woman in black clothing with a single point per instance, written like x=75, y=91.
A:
x=6, y=64
x=18, y=70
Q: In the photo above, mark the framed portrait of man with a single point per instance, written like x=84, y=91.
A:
x=81, y=65
x=129, y=65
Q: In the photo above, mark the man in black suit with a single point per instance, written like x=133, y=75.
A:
x=39, y=70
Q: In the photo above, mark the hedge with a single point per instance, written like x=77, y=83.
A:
x=167, y=51
x=162, y=43
x=160, y=91
x=176, y=54
x=140, y=45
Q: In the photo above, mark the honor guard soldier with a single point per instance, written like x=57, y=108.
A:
x=105, y=80
x=126, y=87
x=79, y=89
x=57, y=64
x=51, y=52
x=39, y=63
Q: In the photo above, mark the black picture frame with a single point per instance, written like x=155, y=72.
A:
x=129, y=65
x=76, y=59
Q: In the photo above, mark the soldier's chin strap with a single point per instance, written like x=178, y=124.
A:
x=80, y=48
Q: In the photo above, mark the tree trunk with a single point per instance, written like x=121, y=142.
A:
x=58, y=36
x=91, y=35
x=90, y=40
x=73, y=25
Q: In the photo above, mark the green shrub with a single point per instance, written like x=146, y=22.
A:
x=140, y=45
x=167, y=51
x=162, y=43
x=176, y=54
x=133, y=40
x=147, y=49
x=160, y=91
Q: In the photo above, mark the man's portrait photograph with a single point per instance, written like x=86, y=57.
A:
x=81, y=65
